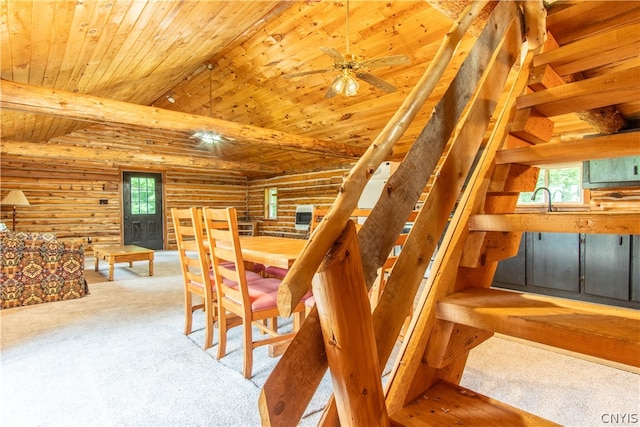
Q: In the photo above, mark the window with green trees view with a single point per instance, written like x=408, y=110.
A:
x=271, y=203
x=564, y=184
x=143, y=196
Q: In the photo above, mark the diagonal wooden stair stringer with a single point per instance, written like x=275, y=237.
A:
x=413, y=374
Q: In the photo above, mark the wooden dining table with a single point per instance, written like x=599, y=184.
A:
x=271, y=251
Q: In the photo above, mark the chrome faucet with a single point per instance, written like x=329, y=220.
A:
x=533, y=196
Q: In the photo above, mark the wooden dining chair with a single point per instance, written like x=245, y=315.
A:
x=320, y=212
x=195, y=270
x=316, y=217
x=253, y=301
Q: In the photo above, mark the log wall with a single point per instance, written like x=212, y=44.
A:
x=65, y=197
x=313, y=188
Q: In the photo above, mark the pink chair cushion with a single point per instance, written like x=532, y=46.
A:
x=258, y=267
x=250, y=275
x=277, y=272
x=310, y=301
x=232, y=266
x=263, y=293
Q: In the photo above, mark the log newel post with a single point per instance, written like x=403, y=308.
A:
x=347, y=328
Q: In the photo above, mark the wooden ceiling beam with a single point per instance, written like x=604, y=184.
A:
x=123, y=157
x=88, y=108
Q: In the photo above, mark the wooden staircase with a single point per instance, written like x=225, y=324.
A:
x=461, y=310
x=458, y=309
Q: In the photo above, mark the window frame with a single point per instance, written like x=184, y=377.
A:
x=524, y=202
x=271, y=203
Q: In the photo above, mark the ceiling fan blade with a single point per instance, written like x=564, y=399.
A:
x=386, y=61
x=334, y=54
x=376, y=82
x=305, y=73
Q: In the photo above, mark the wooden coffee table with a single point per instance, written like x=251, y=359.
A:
x=126, y=253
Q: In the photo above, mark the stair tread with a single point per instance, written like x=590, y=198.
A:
x=610, y=333
x=605, y=222
x=447, y=404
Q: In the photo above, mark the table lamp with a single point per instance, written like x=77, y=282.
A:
x=15, y=198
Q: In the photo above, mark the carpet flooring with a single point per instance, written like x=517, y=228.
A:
x=118, y=357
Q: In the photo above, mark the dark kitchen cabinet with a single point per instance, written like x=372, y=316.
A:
x=602, y=268
x=635, y=268
x=607, y=265
x=555, y=261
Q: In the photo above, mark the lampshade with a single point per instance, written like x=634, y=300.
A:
x=15, y=198
x=346, y=85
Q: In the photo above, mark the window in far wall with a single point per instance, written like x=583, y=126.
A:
x=564, y=184
x=271, y=203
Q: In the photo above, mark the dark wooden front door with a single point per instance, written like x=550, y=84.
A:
x=142, y=205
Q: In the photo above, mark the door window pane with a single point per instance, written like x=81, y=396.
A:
x=143, y=196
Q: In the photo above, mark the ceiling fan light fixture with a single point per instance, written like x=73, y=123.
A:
x=346, y=85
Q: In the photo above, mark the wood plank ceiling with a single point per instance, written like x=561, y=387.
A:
x=225, y=60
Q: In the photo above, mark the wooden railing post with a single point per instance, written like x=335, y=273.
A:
x=347, y=328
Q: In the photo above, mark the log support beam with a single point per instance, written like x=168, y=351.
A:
x=122, y=157
x=83, y=107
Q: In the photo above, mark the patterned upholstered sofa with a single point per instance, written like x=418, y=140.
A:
x=37, y=268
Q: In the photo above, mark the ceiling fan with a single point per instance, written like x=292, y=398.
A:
x=352, y=67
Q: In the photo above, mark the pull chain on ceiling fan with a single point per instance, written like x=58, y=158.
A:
x=351, y=68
